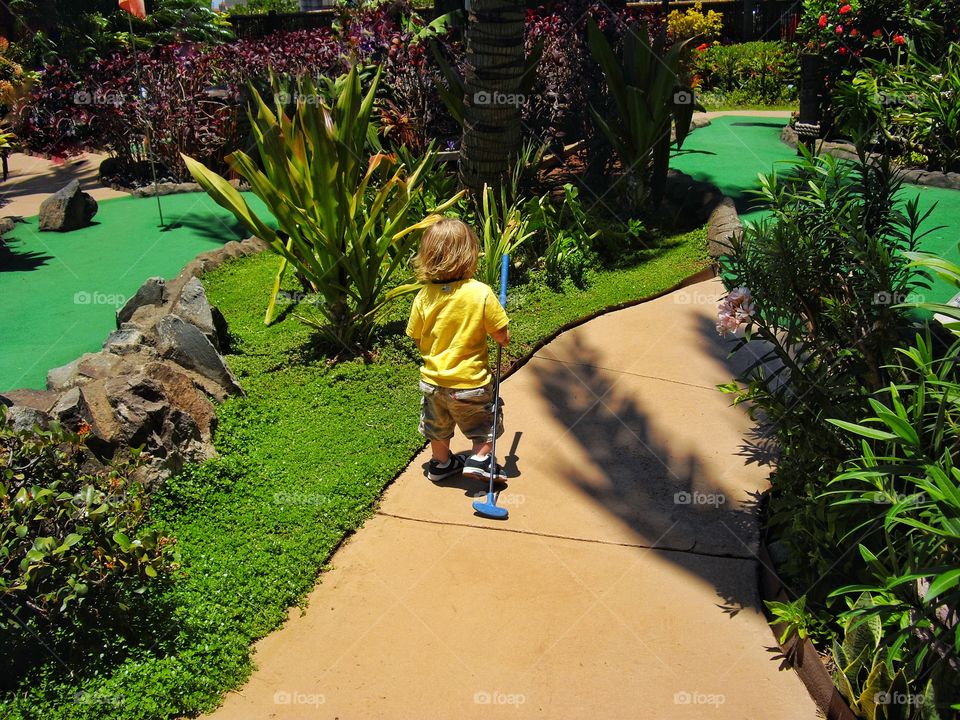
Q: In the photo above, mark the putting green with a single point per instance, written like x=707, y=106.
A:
x=60, y=291
x=732, y=151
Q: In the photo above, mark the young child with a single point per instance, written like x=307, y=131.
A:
x=450, y=320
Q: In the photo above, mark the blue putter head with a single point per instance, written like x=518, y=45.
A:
x=488, y=508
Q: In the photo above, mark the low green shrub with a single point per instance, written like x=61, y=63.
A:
x=74, y=544
x=825, y=273
x=747, y=74
x=860, y=398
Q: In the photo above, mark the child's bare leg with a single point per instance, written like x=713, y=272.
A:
x=440, y=450
x=482, y=448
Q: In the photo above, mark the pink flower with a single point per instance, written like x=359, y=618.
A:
x=839, y=30
x=735, y=309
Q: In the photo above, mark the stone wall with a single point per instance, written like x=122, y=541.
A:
x=154, y=381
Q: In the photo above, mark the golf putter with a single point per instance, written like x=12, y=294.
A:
x=488, y=507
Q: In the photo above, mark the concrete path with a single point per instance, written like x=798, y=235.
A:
x=32, y=179
x=624, y=584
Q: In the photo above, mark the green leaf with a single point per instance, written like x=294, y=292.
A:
x=942, y=583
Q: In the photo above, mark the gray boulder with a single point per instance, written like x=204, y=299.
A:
x=67, y=209
x=152, y=292
x=192, y=305
x=185, y=344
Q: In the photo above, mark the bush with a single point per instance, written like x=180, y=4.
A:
x=865, y=498
x=79, y=32
x=73, y=543
x=824, y=274
x=693, y=24
x=910, y=109
x=754, y=73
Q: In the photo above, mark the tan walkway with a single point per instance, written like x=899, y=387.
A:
x=622, y=586
x=33, y=179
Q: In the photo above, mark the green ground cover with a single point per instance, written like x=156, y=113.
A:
x=303, y=457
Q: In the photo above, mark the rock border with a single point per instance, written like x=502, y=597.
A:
x=846, y=151
x=155, y=379
x=687, y=197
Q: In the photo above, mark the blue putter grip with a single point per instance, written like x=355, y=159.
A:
x=504, y=267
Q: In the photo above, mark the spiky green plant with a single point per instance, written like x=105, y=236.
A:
x=346, y=216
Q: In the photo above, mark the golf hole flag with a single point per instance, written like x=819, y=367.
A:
x=134, y=7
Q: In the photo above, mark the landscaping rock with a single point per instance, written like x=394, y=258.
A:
x=722, y=226
x=42, y=400
x=106, y=432
x=67, y=209
x=185, y=344
x=182, y=392
x=192, y=305
x=71, y=409
x=6, y=225
x=65, y=376
x=23, y=418
x=152, y=292
x=124, y=341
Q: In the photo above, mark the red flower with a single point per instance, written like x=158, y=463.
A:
x=839, y=29
x=842, y=50
x=845, y=9
x=823, y=21
x=854, y=32
x=878, y=33
x=701, y=48
x=899, y=40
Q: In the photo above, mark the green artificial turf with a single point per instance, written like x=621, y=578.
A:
x=733, y=150
x=304, y=455
x=61, y=290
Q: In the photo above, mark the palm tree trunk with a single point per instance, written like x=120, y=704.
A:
x=494, y=68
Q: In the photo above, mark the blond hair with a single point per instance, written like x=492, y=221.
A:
x=448, y=252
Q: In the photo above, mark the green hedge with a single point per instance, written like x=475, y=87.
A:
x=748, y=74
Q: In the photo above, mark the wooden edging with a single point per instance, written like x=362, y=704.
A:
x=802, y=655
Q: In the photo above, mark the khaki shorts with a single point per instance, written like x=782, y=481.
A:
x=470, y=410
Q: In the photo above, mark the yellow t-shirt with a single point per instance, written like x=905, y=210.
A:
x=450, y=323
